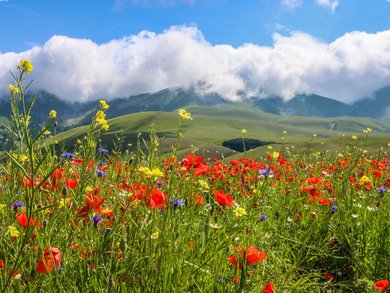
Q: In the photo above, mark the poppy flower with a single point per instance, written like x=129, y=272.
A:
x=269, y=288
x=2, y=264
x=51, y=258
x=223, y=198
x=22, y=219
x=381, y=285
x=253, y=255
x=71, y=183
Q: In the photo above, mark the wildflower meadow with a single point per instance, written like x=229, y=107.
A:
x=93, y=219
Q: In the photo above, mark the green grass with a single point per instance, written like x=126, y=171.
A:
x=213, y=125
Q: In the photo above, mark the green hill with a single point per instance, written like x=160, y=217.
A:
x=212, y=126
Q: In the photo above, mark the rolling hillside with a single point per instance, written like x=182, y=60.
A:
x=212, y=126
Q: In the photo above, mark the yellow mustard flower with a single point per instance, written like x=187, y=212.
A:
x=239, y=212
x=104, y=105
x=25, y=65
x=53, y=114
x=13, y=89
x=184, y=115
x=13, y=231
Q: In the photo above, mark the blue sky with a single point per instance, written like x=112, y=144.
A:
x=91, y=49
x=25, y=23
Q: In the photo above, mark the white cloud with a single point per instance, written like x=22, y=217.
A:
x=349, y=68
x=292, y=4
x=332, y=4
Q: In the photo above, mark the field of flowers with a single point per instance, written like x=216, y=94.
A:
x=98, y=220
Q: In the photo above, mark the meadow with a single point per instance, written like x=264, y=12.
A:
x=275, y=219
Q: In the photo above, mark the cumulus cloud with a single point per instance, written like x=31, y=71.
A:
x=292, y=4
x=332, y=4
x=347, y=69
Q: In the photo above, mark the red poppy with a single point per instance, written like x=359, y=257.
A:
x=51, y=257
x=381, y=285
x=157, y=199
x=71, y=183
x=329, y=276
x=269, y=288
x=2, y=264
x=192, y=161
x=77, y=161
x=199, y=200
x=253, y=255
x=22, y=219
x=223, y=198
x=232, y=259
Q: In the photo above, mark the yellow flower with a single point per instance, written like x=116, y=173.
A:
x=275, y=155
x=100, y=115
x=184, y=115
x=25, y=65
x=203, y=184
x=104, y=105
x=364, y=179
x=64, y=202
x=155, y=235
x=13, y=89
x=239, y=212
x=53, y=114
x=21, y=158
x=13, y=231
x=2, y=206
x=243, y=131
x=354, y=137
x=88, y=189
x=157, y=172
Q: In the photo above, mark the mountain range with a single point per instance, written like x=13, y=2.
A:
x=74, y=114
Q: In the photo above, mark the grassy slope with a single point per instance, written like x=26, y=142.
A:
x=213, y=125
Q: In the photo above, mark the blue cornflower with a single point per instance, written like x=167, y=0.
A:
x=101, y=163
x=263, y=217
x=266, y=171
x=96, y=220
x=18, y=204
x=106, y=230
x=103, y=151
x=177, y=202
x=381, y=189
x=68, y=155
x=4, y=187
x=160, y=183
x=334, y=209
x=100, y=173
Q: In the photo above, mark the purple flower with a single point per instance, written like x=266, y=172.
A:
x=103, y=151
x=381, y=189
x=96, y=220
x=100, y=173
x=160, y=183
x=68, y=155
x=334, y=209
x=18, y=204
x=263, y=217
x=176, y=203
x=266, y=171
